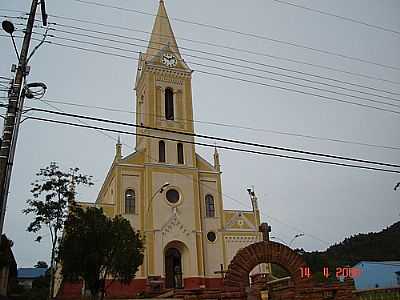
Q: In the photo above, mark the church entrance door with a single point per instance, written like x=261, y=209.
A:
x=173, y=268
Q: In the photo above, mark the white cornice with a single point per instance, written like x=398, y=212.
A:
x=156, y=69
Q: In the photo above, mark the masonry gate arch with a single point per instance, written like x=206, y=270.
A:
x=264, y=252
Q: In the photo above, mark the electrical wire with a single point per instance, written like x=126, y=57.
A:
x=216, y=146
x=84, y=123
x=228, y=70
x=242, y=50
x=220, y=139
x=229, y=63
x=338, y=16
x=233, y=58
x=209, y=187
x=209, y=145
x=221, y=75
x=228, y=125
x=257, y=36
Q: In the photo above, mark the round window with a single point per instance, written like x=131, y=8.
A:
x=172, y=196
x=211, y=236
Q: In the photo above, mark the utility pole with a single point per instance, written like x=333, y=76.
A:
x=14, y=110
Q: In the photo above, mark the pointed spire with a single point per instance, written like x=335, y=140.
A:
x=216, y=159
x=162, y=35
x=118, y=149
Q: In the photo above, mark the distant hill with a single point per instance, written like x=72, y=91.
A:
x=373, y=246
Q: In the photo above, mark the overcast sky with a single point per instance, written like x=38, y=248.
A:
x=327, y=203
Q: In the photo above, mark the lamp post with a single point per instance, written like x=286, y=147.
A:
x=14, y=109
x=159, y=191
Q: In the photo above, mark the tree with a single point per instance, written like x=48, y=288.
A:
x=41, y=264
x=52, y=193
x=95, y=247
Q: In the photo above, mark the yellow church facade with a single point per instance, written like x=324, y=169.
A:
x=165, y=189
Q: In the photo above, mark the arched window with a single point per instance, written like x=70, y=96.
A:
x=169, y=104
x=179, y=148
x=130, y=199
x=210, y=207
x=161, y=151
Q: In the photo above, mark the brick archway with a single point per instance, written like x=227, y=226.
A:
x=264, y=252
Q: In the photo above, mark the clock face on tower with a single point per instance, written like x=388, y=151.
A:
x=169, y=60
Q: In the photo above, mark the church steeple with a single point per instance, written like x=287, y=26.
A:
x=162, y=35
x=118, y=149
x=164, y=96
x=216, y=160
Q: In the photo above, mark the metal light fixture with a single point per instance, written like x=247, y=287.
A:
x=8, y=27
x=160, y=190
x=163, y=187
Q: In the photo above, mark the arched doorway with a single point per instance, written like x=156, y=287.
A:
x=173, y=268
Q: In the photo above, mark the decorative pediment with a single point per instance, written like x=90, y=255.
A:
x=239, y=222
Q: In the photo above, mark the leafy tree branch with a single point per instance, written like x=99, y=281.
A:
x=52, y=194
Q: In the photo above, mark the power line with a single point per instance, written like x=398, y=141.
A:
x=338, y=16
x=230, y=63
x=84, y=123
x=192, y=180
x=221, y=75
x=284, y=223
x=228, y=70
x=240, y=50
x=220, y=139
x=102, y=52
x=257, y=36
x=218, y=146
x=230, y=197
x=230, y=125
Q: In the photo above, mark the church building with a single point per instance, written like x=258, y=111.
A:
x=167, y=191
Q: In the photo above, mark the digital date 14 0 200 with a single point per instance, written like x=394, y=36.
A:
x=339, y=272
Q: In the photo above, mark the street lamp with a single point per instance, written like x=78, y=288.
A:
x=160, y=190
x=8, y=27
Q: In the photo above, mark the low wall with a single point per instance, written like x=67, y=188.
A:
x=378, y=294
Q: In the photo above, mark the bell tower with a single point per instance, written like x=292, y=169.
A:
x=164, y=98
